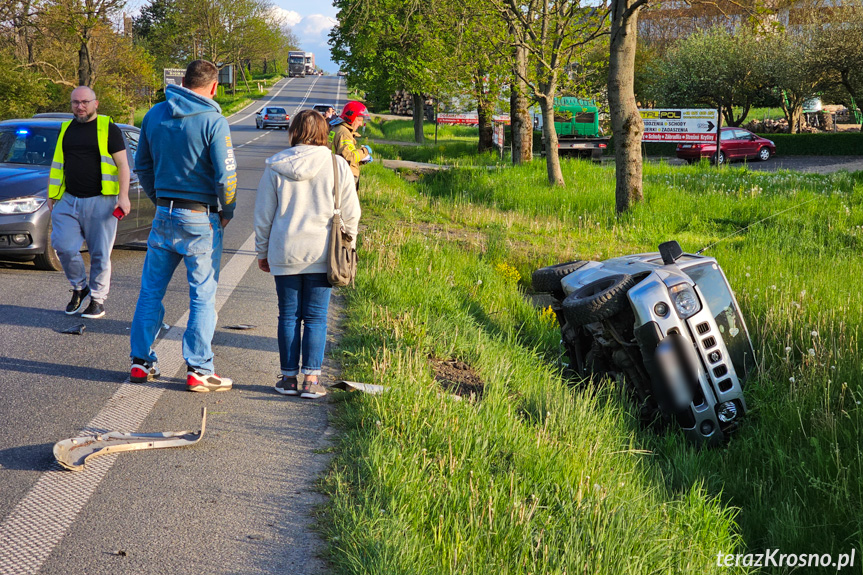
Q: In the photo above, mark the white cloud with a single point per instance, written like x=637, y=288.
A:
x=316, y=25
x=287, y=17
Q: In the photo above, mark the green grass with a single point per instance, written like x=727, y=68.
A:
x=539, y=477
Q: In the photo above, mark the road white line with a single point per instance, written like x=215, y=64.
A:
x=40, y=520
x=273, y=97
x=306, y=97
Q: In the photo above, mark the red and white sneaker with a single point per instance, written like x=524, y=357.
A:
x=203, y=382
x=143, y=371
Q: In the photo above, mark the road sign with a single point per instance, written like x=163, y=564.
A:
x=680, y=125
x=174, y=76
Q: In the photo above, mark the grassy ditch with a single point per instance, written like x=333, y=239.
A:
x=531, y=475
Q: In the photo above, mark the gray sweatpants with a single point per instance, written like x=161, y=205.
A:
x=75, y=220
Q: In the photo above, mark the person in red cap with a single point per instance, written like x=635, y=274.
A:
x=344, y=133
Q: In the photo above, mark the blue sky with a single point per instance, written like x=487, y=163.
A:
x=311, y=23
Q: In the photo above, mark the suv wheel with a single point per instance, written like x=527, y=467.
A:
x=598, y=300
x=547, y=279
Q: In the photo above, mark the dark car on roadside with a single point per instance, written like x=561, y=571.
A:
x=26, y=152
x=735, y=144
x=272, y=117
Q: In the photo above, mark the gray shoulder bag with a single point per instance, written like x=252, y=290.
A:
x=341, y=256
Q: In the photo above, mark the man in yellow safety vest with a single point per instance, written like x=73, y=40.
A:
x=88, y=188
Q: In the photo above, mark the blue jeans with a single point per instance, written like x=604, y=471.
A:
x=303, y=298
x=196, y=239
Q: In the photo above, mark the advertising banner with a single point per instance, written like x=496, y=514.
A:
x=680, y=125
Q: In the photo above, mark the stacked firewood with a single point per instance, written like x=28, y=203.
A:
x=402, y=104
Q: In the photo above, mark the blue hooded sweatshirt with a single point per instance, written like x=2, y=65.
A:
x=185, y=152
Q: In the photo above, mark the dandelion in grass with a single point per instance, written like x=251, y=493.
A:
x=811, y=352
x=787, y=350
x=791, y=379
x=814, y=333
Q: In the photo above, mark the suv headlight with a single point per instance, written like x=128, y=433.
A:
x=21, y=205
x=685, y=301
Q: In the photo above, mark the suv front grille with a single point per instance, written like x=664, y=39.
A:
x=720, y=370
x=708, y=342
x=702, y=328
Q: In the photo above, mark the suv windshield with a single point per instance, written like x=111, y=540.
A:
x=718, y=298
x=27, y=145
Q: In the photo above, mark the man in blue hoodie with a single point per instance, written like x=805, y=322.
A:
x=186, y=165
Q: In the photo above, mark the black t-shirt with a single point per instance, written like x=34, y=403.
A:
x=81, y=157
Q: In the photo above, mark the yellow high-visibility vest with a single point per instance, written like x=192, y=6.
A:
x=110, y=172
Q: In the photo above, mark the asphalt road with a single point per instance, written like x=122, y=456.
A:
x=237, y=502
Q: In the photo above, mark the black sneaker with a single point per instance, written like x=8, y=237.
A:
x=287, y=385
x=143, y=371
x=311, y=390
x=204, y=382
x=94, y=310
x=76, y=304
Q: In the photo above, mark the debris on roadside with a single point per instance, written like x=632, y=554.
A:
x=370, y=388
x=74, y=452
x=75, y=329
x=241, y=326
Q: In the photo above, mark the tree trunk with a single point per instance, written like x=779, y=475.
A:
x=85, y=64
x=549, y=139
x=419, y=112
x=626, y=124
x=265, y=67
x=795, y=118
x=522, y=126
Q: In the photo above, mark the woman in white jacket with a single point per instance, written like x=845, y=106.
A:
x=293, y=215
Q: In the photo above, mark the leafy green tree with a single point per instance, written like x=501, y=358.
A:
x=23, y=91
x=837, y=47
x=552, y=33
x=386, y=45
x=793, y=71
x=716, y=68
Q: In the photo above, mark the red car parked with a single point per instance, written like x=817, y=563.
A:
x=735, y=144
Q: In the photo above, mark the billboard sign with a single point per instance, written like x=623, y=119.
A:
x=680, y=125
x=463, y=119
x=470, y=119
x=174, y=76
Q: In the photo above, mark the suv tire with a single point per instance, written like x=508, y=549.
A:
x=547, y=279
x=598, y=300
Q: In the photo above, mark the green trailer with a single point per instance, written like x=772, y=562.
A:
x=576, y=122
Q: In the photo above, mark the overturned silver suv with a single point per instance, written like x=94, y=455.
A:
x=666, y=323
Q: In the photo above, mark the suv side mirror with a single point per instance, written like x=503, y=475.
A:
x=670, y=252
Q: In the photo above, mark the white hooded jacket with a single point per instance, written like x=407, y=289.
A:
x=294, y=209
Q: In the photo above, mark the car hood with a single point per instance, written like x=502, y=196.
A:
x=17, y=181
